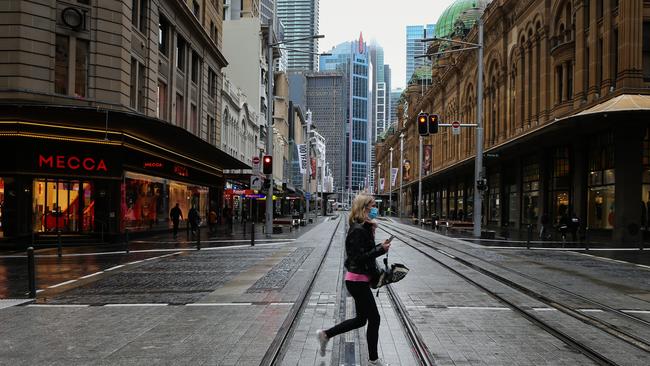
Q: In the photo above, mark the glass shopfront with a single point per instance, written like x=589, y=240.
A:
x=63, y=205
x=645, y=183
x=494, y=184
x=147, y=200
x=601, y=181
x=2, y=205
x=560, y=184
x=530, y=193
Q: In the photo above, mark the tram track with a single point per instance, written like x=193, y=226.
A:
x=275, y=353
x=449, y=251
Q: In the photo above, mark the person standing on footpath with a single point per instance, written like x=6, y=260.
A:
x=176, y=215
x=361, y=252
x=194, y=219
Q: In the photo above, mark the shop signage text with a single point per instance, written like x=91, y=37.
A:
x=71, y=162
x=153, y=164
x=181, y=170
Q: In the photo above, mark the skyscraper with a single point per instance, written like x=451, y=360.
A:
x=353, y=59
x=414, y=47
x=266, y=10
x=394, y=98
x=300, y=19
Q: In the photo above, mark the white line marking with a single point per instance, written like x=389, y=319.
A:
x=477, y=308
x=447, y=254
x=91, y=275
x=113, y=268
x=58, y=305
x=136, y=262
x=133, y=305
x=281, y=303
x=636, y=311
x=62, y=283
x=590, y=310
x=220, y=304
x=545, y=309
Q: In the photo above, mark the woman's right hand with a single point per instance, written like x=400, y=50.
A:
x=386, y=245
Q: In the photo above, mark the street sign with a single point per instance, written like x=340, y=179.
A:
x=308, y=195
x=256, y=182
x=256, y=165
x=455, y=128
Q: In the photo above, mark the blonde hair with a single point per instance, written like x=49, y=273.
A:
x=358, y=213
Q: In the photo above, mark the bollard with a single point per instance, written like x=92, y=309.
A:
x=59, y=249
x=253, y=234
x=31, y=272
x=529, y=236
x=198, y=238
x=126, y=240
x=587, y=239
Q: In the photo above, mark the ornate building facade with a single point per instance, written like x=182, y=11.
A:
x=565, y=116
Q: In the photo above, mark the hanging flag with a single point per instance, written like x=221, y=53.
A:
x=381, y=184
x=393, y=176
x=302, y=158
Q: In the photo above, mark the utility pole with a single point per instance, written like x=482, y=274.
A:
x=269, y=129
x=308, y=144
x=390, y=182
x=420, y=183
x=401, y=171
x=478, y=168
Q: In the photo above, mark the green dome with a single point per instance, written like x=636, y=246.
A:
x=465, y=12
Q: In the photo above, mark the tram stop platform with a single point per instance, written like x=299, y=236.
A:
x=235, y=306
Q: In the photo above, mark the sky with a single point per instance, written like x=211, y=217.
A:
x=382, y=20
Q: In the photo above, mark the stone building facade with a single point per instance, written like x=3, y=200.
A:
x=565, y=116
x=134, y=84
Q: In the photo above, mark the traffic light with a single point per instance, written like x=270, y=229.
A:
x=422, y=124
x=267, y=164
x=433, y=123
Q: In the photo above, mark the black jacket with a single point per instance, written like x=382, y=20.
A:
x=361, y=250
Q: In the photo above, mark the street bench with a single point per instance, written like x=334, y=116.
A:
x=279, y=224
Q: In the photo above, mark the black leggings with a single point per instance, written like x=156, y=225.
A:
x=366, y=311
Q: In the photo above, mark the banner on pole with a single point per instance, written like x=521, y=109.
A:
x=393, y=176
x=381, y=184
x=302, y=158
x=426, y=160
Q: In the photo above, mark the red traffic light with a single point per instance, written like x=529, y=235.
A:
x=267, y=164
x=423, y=130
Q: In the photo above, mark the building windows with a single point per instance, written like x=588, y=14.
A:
x=646, y=51
x=196, y=9
x=560, y=183
x=180, y=53
x=161, y=108
x=559, y=77
x=212, y=131
x=61, y=61
x=569, y=80
x=530, y=192
x=196, y=67
x=194, y=119
x=212, y=83
x=139, y=14
x=180, y=110
x=65, y=62
x=138, y=81
x=163, y=36
x=213, y=31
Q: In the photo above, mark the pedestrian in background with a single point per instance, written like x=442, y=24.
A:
x=176, y=215
x=361, y=252
x=543, y=231
x=212, y=221
x=194, y=219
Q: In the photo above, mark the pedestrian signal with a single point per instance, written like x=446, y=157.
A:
x=433, y=123
x=422, y=124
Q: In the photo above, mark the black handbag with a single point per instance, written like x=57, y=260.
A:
x=383, y=276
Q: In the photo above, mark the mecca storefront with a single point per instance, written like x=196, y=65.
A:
x=86, y=181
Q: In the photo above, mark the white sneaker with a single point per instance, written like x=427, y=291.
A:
x=377, y=362
x=322, y=339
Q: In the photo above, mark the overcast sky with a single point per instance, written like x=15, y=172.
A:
x=382, y=20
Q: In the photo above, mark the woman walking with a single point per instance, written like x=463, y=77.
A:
x=361, y=252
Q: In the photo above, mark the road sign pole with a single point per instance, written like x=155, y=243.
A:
x=479, y=135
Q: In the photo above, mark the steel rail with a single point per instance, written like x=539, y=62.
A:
x=582, y=348
x=277, y=347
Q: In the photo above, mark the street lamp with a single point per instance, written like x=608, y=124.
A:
x=269, y=112
x=379, y=178
x=401, y=171
x=390, y=182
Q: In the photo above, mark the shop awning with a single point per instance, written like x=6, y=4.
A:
x=622, y=103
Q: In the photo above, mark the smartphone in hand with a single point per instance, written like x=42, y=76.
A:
x=391, y=238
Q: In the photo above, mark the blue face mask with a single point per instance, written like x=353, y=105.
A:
x=374, y=212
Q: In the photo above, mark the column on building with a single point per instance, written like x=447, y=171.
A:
x=631, y=36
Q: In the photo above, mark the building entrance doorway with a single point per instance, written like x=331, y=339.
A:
x=63, y=205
